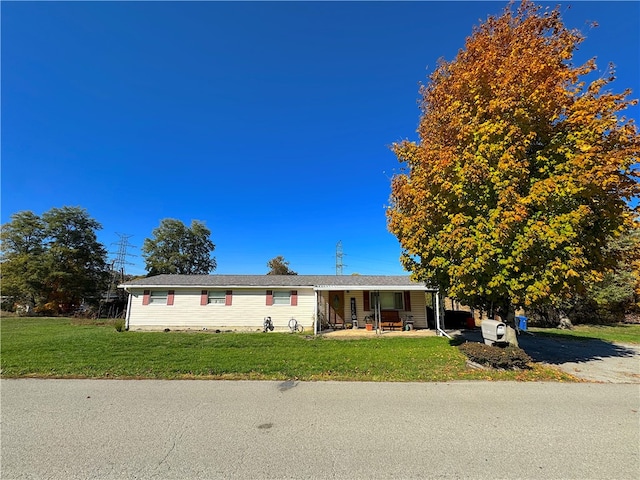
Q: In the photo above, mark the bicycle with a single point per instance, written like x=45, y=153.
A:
x=267, y=325
x=294, y=326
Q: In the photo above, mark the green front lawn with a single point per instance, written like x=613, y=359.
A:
x=64, y=348
x=622, y=333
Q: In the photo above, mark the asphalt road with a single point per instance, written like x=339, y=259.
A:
x=108, y=429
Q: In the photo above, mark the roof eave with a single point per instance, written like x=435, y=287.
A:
x=293, y=287
x=374, y=287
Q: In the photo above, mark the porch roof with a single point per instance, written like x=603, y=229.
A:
x=317, y=282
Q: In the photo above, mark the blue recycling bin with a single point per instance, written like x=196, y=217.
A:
x=522, y=323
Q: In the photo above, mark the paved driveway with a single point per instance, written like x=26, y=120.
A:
x=590, y=359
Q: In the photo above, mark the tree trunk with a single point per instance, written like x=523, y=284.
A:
x=508, y=316
x=511, y=336
x=564, y=323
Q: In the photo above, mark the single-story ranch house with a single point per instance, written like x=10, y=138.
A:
x=242, y=302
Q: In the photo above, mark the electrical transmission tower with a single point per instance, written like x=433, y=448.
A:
x=339, y=255
x=121, y=255
x=117, y=276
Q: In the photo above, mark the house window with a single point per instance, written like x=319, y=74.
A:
x=158, y=297
x=282, y=297
x=389, y=300
x=217, y=297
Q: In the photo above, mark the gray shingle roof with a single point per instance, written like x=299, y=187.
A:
x=274, y=281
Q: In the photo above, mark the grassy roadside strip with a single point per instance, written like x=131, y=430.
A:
x=60, y=348
x=622, y=333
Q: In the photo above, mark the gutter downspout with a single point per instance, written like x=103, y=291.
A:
x=128, y=315
x=439, y=330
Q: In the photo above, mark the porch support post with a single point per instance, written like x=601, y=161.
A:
x=376, y=312
x=317, y=318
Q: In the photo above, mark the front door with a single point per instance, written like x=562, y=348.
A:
x=336, y=308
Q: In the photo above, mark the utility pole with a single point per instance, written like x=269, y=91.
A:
x=339, y=255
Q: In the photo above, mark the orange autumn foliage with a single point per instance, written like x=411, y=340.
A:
x=523, y=171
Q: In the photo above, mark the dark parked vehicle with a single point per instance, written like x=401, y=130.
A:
x=455, y=319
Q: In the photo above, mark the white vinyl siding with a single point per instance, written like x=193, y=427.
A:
x=247, y=311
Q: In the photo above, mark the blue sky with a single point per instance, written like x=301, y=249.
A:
x=270, y=122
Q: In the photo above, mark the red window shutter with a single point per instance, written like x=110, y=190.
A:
x=294, y=298
x=170, y=296
x=227, y=297
x=145, y=297
x=269, y=297
x=407, y=301
x=204, y=297
x=365, y=300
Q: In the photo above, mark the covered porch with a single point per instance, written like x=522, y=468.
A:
x=376, y=307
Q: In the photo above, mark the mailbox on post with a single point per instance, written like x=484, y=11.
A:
x=493, y=331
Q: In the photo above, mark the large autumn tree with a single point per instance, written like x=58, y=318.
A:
x=523, y=171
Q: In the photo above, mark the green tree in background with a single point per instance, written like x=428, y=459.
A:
x=23, y=262
x=617, y=293
x=612, y=299
x=77, y=266
x=178, y=249
x=53, y=262
x=279, y=266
